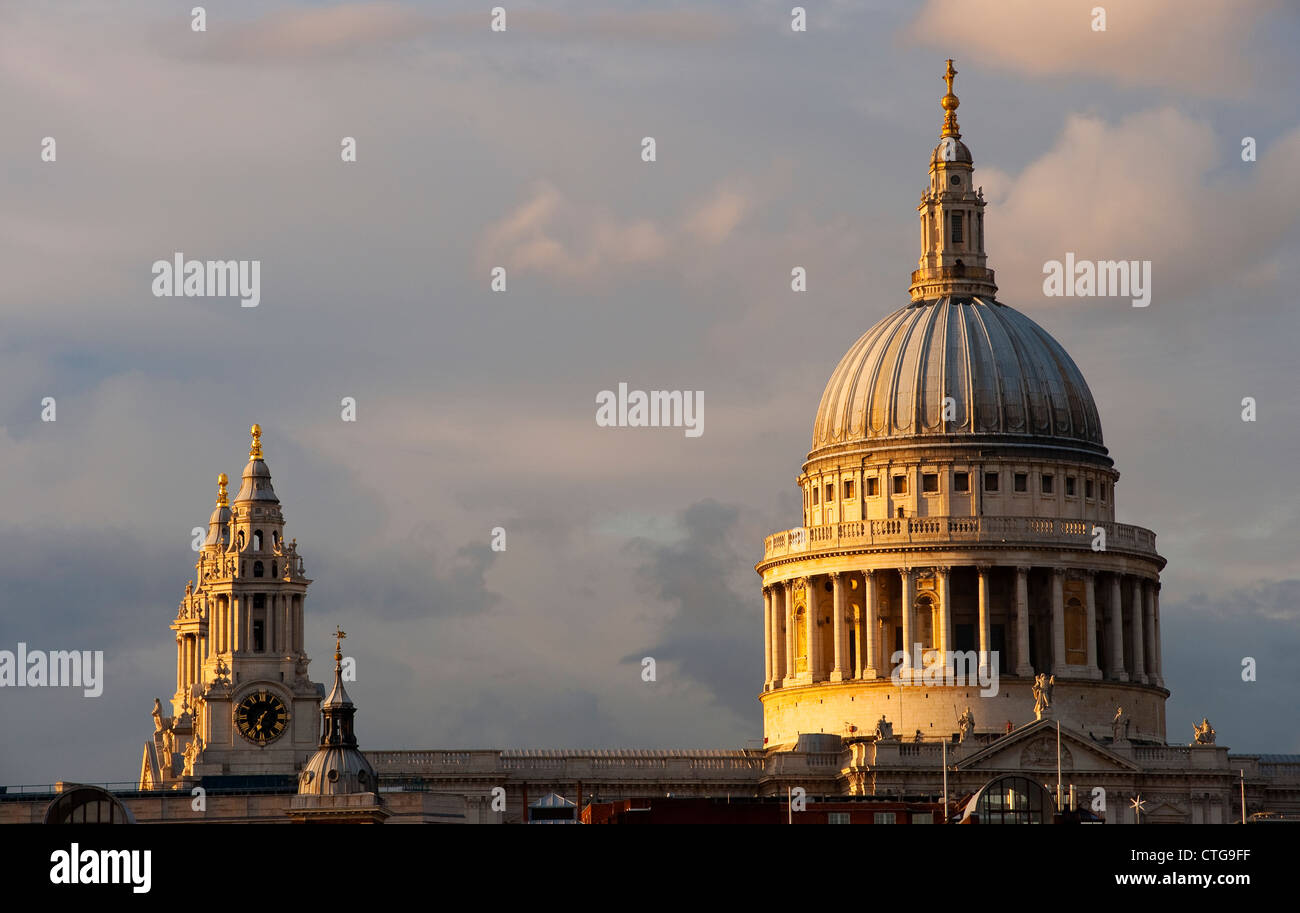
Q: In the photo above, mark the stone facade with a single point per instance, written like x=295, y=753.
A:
x=239, y=644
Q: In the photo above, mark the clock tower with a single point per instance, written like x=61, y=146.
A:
x=243, y=704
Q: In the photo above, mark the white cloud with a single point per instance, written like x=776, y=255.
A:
x=1203, y=48
x=1158, y=185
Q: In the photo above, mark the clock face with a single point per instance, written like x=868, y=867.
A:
x=261, y=717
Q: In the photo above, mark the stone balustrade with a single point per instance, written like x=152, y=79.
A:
x=938, y=531
x=559, y=761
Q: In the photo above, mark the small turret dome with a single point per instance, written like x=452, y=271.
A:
x=255, y=484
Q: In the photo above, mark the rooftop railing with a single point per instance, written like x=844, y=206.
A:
x=939, y=531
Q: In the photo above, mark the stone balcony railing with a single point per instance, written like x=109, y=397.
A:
x=568, y=764
x=942, y=531
x=952, y=272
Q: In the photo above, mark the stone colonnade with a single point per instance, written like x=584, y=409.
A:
x=806, y=644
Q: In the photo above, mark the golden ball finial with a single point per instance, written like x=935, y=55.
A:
x=950, y=103
x=255, y=452
x=222, y=482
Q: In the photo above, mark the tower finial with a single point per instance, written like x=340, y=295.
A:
x=222, y=481
x=950, y=103
x=255, y=451
x=339, y=634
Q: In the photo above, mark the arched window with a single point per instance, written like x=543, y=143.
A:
x=1010, y=799
x=275, y=569
x=925, y=626
x=1076, y=632
x=87, y=805
x=801, y=641
x=257, y=569
x=257, y=540
x=240, y=540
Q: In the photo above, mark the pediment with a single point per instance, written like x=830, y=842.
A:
x=1033, y=748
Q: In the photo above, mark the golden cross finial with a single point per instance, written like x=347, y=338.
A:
x=222, y=482
x=950, y=103
x=339, y=634
x=255, y=452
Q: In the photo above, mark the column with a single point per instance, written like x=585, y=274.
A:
x=791, y=636
x=1149, y=626
x=767, y=638
x=908, y=611
x=180, y=662
x=1058, y=621
x=986, y=631
x=1115, y=612
x=1023, y=667
x=778, y=634
x=810, y=622
x=236, y=627
x=839, y=643
x=860, y=644
x=1090, y=591
x=1139, y=661
x=943, y=637
x=1155, y=615
x=871, y=625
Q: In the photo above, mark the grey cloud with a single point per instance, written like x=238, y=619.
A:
x=707, y=636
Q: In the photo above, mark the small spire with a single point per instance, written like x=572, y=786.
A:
x=950, y=103
x=222, y=481
x=255, y=451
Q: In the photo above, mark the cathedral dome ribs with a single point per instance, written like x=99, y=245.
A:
x=958, y=497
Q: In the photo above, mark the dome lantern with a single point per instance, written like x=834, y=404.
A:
x=952, y=260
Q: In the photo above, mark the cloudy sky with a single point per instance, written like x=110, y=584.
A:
x=476, y=409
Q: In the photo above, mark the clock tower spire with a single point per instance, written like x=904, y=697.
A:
x=243, y=703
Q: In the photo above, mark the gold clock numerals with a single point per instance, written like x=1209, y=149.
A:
x=261, y=717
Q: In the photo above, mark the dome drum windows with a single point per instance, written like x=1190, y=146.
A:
x=961, y=481
x=900, y=485
x=1021, y=482
x=991, y=481
x=930, y=483
x=873, y=487
x=1046, y=483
